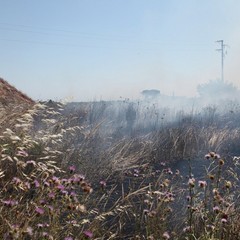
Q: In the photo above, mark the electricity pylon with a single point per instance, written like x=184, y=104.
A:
x=223, y=53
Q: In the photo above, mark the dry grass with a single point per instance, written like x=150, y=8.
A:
x=75, y=175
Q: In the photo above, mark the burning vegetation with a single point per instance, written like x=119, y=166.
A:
x=117, y=170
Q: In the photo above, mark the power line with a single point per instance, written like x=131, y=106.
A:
x=223, y=53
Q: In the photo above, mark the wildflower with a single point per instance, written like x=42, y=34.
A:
x=42, y=225
x=103, y=184
x=87, y=189
x=177, y=172
x=228, y=184
x=46, y=184
x=145, y=211
x=31, y=162
x=27, y=185
x=191, y=182
x=212, y=155
x=88, y=234
x=22, y=153
x=152, y=213
x=166, y=235
x=187, y=229
x=223, y=220
x=202, y=184
x=210, y=227
x=50, y=208
x=56, y=180
x=77, y=178
x=39, y=210
x=221, y=162
x=211, y=176
x=216, y=209
x=71, y=206
x=207, y=156
x=68, y=238
x=16, y=180
x=188, y=198
x=42, y=202
x=51, y=195
x=29, y=231
x=10, y=203
x=45, y=235
x=135, y=172
x=168, y=209
x=60, y=187
x=36, y=183
x=64, y=192
x=72, y=169
x=73, y=194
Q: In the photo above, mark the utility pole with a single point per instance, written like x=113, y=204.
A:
x=222, y=57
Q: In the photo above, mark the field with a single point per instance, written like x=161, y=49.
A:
x=119, y=170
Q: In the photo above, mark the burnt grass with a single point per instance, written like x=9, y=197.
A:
x=137, y=160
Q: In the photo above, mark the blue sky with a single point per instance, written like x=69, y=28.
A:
x=103, y=49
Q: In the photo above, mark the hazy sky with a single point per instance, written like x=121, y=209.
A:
x=104, y=49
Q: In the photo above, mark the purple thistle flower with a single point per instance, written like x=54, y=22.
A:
x=73, y=194
x=42, y=202
x=216, y=209
x=103, y=183
x=27, y=185
x=223, y=220
x=51, y=195
x=56, y=180
x=40, y=225
x=64, y=180
x=207, y=156
x=72, y=169
x=36, y=183
x=88, y=234
x=39, y=210
x=31, y=162
x=61, y=187
x=22, y=153
x=202, y=184
x=10, y=203
x=64, y=192
x=16, y=180
x=166, y=235
x=46, y=184
x=68, y=238
x=45, y=234
x=50, y=208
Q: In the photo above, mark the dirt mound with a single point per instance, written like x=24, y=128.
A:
x=9, y=94
x=13, y=103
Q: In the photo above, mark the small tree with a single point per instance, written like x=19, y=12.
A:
x=218, y=89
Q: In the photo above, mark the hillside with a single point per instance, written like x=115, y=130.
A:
x=13, y=103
